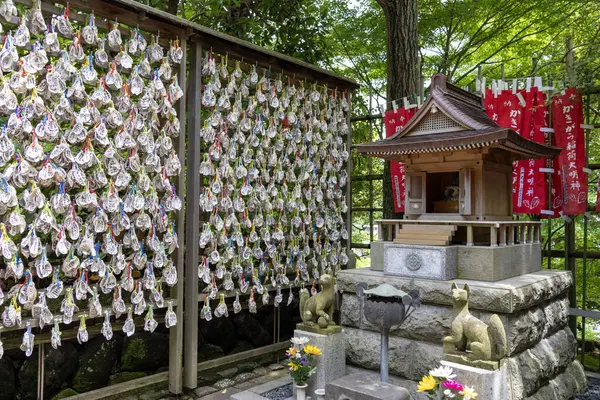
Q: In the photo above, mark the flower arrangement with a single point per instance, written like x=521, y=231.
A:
x=442, y=380
x=300, y=357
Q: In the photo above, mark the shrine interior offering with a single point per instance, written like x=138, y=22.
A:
x=88, y=167
x=273, y=183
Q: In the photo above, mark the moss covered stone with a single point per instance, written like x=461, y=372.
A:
x=63, y=394
x=96, y=362
x=125, y=377
x=145, y=351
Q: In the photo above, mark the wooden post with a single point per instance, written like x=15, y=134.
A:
x=536, y=234
x=530, y=235
x=349, y=184
x=397, y=230
x=503, y=229
x=511, y=235
x=176, y=332
x=469, y=235
x=190, y=355
x=493, y=237
x=380, y=232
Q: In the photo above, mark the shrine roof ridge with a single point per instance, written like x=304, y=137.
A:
x=453, y=119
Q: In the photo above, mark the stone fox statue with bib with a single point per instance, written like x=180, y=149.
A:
x=318, y=309
x=487, y=341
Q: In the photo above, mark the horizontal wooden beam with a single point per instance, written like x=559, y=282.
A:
x=133, y=13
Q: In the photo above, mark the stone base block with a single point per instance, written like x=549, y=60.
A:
x=377, y=249
x=534, y=309
x=492, y=264
x=364, y=387
x=331, y=365
x=489, y=385
x=330, y=330
x=414, y=261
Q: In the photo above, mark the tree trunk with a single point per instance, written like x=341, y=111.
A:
x=402, y=69
x=172, y=6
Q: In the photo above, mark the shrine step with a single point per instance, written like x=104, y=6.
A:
x=431, y=235
x=424, y=242
x=445, y=228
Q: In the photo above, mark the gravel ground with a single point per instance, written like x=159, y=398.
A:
x=593, y=390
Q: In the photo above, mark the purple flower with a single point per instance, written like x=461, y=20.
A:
x=450, y=384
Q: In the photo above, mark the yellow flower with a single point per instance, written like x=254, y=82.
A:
x=293, y=366
x=291, y=352
x=312, y=350
x=426, y=384
x=469, y=393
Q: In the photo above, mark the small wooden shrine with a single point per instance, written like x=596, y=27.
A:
x=458, y=161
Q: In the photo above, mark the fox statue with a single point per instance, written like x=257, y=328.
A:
x=318, y=309
x=487, y=341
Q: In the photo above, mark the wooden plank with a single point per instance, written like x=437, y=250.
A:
x=190, y=355
x=424, y=235
x=428, y=228
x=176, y=332
x=348, y=216
x=424, y=242
x=170, y=26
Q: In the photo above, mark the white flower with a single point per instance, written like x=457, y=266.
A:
x=442, y=372
x=449, y=394
x=300, y=341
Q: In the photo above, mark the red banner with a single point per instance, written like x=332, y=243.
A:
x=530, y=190
x=567, y=117
x=491, y=105
x=394, y=122
x=525, y=113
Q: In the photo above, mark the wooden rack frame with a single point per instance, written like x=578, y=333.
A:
x=183, y=338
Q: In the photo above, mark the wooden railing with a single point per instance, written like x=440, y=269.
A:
x=502, y=233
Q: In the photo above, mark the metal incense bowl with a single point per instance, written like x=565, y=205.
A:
x=384, y=307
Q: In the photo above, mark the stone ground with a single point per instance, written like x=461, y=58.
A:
x=220, y=385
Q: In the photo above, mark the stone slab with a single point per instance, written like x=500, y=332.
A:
x=431, y=322
x=489, y=385
x=225, y=394
x=409, y=359
x=505, y=296
x=255, y=392
x=330, y=330
x=416, y=261
x=364, y=387
x=492, y=264
x=377, y=249
x=331, y=364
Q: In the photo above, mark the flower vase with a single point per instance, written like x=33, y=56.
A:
x=301, y=392
x=320, y=393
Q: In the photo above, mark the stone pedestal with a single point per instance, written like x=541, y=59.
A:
x=364, y=387
x=331, y=365
x=534, y=309
x=489, y=385
x=430, y=262
x=481, y=263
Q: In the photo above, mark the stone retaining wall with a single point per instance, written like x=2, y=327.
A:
x=533, y=307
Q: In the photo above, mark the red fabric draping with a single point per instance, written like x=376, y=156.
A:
x=394, y=121
x=567, y=118
x=525, y=113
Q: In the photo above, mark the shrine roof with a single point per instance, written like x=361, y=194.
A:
x=453, y=119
